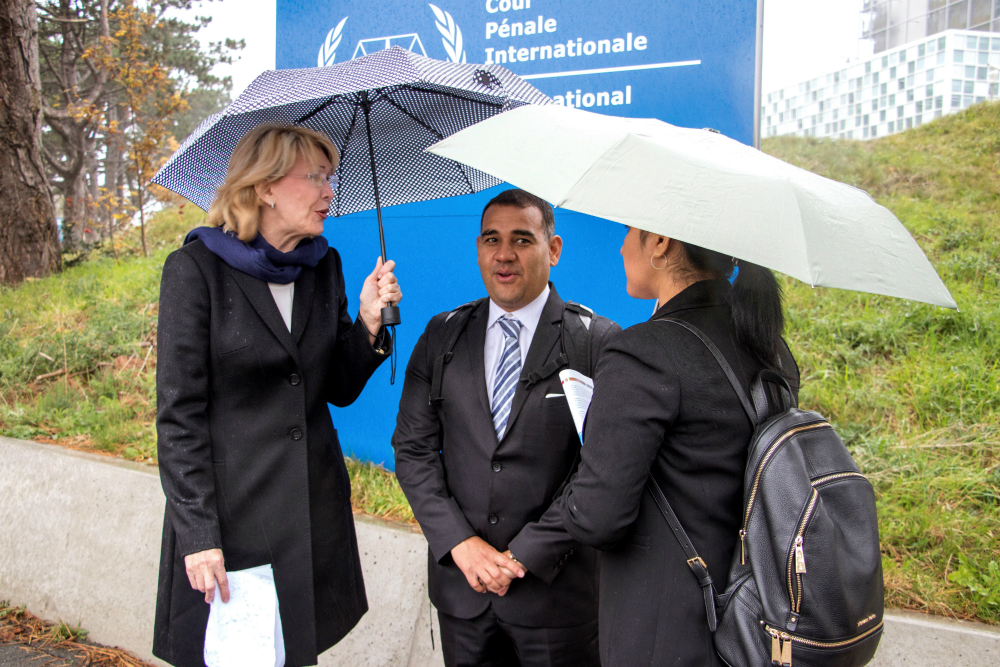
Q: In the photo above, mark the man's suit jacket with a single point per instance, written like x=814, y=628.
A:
x=462, y=482
x=249, y=459
x=662, y=406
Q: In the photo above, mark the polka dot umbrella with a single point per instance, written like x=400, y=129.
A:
x=381, y=111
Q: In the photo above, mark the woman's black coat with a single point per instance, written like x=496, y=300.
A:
x=663, y=406
x=249, y=459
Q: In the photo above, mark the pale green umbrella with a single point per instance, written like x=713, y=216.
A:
x=703, y=188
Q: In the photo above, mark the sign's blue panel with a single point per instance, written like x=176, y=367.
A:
x=687, y=63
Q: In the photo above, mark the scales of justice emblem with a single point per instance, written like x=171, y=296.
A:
x=451, y=39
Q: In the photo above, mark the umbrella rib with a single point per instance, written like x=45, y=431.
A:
x=347, y=141
x=414, y=118
x=457, y=97
x=332, y=100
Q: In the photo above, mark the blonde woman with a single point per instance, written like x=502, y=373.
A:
x=254, y=339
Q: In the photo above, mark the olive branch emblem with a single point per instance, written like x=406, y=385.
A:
x=328, y=49
x=451, y=33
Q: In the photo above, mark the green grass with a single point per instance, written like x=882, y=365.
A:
x=913, y=389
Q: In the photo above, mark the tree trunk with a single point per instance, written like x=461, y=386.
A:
x=29, y=240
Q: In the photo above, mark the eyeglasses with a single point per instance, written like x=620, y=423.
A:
x=319, y=179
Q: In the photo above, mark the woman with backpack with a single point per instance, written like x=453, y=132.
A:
x=664, y=408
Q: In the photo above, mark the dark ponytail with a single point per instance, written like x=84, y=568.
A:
x=756, y=300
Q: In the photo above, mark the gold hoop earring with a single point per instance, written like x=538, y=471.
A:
x=658, y=268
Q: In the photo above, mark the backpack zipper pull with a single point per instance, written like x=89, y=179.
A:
x=800, y=556
x=786, y=650
x=743, y=547
x=775, y=648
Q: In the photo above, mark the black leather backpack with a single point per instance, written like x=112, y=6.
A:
x=805, y=583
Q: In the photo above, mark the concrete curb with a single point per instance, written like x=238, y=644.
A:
x=80, y=542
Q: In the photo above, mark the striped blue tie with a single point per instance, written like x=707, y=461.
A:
x=508, y=373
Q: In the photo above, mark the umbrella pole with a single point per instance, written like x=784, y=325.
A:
x=390, y=314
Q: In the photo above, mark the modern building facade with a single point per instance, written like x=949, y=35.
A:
x=894, y=23
x=896, y=89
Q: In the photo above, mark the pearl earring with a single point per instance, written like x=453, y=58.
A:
x=272, y=204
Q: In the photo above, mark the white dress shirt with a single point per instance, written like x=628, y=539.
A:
x=528, y=317
x=284, y=295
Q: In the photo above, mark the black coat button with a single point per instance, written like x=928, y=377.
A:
x=294, y=380
x=494, y=518
x=497, y=467
x=296, y=434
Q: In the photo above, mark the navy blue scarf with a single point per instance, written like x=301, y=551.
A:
x=259, y=258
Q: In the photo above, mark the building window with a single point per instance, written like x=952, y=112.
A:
x=912, y=67
x=899, y=112
x=956, y=85
x=843, y=124
x=866, y=119
x=958, y=56
x=884, y=88
x=891, y=127
x=902, y=84
x=920, y=107
x=930, y=91
x=967, y=100
x=956, y=101
x=939, y=102
x=881, y=116
x=909, y=82
x=981, y=74
x=909, y=96
x=930, y=76
x=909, y=123
x=892, y=100
x=969, y=87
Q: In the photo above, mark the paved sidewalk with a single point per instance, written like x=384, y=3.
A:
x=920, y=640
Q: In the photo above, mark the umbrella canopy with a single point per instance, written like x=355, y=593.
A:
x=706, y=189
x=411, y=102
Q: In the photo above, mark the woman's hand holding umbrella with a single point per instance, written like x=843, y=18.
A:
x=380, y=289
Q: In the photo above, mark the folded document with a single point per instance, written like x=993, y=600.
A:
x=579, y=390
x=246, y=631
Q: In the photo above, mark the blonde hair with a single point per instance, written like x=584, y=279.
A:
x=265, y=154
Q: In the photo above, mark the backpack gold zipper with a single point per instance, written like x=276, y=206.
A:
x=760, y=471
x=797, y=556
x=781, y=643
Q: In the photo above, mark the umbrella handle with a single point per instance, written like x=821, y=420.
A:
x=390, y=316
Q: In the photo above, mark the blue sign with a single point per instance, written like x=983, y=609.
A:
x=692, y=64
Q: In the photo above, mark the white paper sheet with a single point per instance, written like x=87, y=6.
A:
x=246, y=631
x=579, y=390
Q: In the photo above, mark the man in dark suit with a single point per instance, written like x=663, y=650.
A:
x=485, y=441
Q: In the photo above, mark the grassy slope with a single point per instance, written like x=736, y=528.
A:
x=914, y=390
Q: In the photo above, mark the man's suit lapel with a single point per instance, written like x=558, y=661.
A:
x=475, y=333
x=260, y=297
x=545, y=339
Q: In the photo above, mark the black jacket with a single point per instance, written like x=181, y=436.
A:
x=249, y=459
x=663, y=406
x=462, y=482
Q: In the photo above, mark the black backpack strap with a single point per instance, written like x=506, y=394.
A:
x=454, y=324
x=757, y=411
x=694, y=561
x=575, y=343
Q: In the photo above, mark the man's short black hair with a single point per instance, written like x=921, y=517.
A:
x=524, y=199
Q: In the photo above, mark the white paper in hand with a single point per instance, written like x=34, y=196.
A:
x=579, y=389
x=246, y=631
